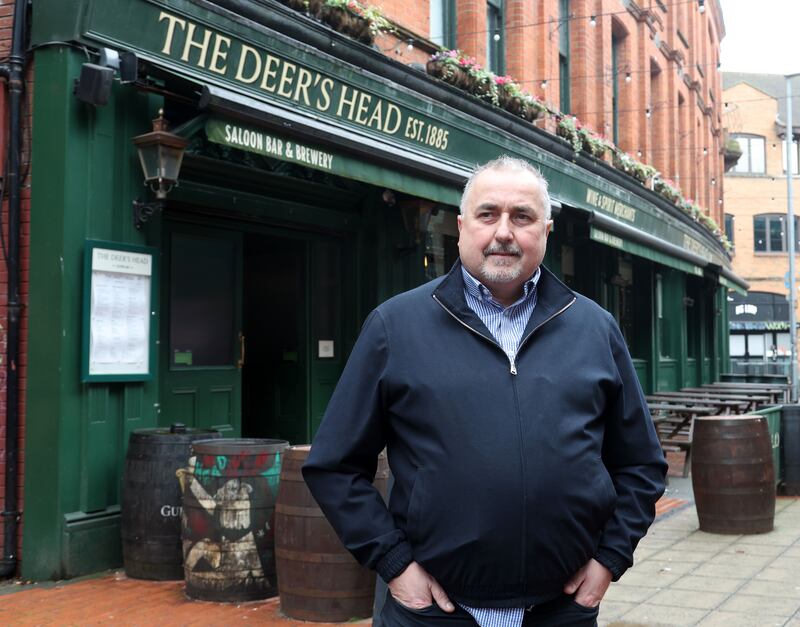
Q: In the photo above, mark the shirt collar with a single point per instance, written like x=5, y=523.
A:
x=481, y=292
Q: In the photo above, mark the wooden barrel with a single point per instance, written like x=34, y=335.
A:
x=229, y=492
x=733, y=474
x=151, y=501
x=318, y=579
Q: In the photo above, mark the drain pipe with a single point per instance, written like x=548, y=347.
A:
x=14, y=73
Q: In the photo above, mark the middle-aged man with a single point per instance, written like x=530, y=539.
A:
x=526, y=465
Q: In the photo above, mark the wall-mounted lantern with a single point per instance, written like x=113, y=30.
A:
x=160, y=154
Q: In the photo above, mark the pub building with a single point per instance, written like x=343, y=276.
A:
x=318, y=177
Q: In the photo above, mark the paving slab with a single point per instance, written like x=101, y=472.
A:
x=657, y=615
x=712, y=584
x=733, y=619
x=756, y=605
x=697, y=599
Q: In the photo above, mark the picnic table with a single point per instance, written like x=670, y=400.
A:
x=753, y=399
x=779, y=393
x=675, y=425
x=723, y=405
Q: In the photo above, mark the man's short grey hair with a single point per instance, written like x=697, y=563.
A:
x=513, y=164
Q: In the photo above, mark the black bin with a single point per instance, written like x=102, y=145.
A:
x=151, y=501
x=790, y=449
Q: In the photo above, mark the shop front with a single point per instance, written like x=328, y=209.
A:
x=319, y=178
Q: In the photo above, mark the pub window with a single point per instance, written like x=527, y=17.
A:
x=737, y=345
x=495, y=34
x=563, y=55
x=795, y=157
x=443, y=21
x=752, y=160
x=770, y=233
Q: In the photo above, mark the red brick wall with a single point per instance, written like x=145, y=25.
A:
x=6, y=18
x=672, y=139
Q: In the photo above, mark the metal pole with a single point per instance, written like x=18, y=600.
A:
x=790, y=218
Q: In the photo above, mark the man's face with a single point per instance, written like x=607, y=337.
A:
x=503, y=231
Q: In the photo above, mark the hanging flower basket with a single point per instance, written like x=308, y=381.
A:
x=450, y=73
x=345, y=22
x=310, y=7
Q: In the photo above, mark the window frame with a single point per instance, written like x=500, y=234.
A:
x=748, y=152
x=795, y=157
x=495, y=50
x=768, y=219
x=564, y=56
x=447, y=9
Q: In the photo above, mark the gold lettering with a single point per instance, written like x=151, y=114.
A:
x=218, y=54
x=377, y=116
x=324, y=97
x=167, y=49
x=191, y=43
x=286, y=79
x=363, y=105
x=344, y=101
x=270, y=72
x=304, y=78
x=392, y=110
x=248, y=51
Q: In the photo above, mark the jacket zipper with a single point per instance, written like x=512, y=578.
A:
x=523, y=465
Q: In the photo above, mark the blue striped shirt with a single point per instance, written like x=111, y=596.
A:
x=507, y=325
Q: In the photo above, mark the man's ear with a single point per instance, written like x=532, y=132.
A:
x=548, y=228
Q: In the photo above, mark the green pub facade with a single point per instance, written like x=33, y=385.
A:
x=319, y=178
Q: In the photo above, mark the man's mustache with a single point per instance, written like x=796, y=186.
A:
x=505, y=249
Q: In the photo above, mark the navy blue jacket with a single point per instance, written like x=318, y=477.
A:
x=508, y=476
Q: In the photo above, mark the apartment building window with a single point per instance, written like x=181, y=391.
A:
x=729, y=227
x=752, y=160
x=443, y=23
x=795, y=157
x=770, y=233
x=563, y=55
x=616, y=48
x=495, y=36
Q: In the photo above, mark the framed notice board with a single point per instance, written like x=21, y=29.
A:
x=119, y=304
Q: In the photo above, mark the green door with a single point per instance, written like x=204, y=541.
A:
x=202, y=329
x=294, y=295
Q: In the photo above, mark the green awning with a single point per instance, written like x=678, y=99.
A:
x=634, y=248
x=731, y=285
x=286, y=148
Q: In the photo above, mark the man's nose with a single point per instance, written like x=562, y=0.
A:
x=503, y=232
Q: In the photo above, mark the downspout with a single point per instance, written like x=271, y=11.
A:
x=14, y=73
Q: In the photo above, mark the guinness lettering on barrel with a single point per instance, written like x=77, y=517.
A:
x=151, y=501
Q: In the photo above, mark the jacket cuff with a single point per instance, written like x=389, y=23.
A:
x=613, y=562
x=395, y=561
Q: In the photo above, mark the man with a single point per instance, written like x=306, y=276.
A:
x=525, y=462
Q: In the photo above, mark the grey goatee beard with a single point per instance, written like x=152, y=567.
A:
x=509, y=270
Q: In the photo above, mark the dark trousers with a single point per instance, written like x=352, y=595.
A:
x=560, y=612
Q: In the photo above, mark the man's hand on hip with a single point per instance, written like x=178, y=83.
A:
x=416, y=589
x=589, y=584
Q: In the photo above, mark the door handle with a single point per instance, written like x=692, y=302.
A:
x=240, y=362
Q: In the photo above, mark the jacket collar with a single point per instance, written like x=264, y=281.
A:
x=552, y=297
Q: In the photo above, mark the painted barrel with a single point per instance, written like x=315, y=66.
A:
x=733, y=474
x=318, y=579
x=151, y=501
x=229, y=493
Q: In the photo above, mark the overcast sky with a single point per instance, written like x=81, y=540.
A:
x=761, y=36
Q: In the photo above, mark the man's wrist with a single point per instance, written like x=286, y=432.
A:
x=395, y=561
x=612, y=562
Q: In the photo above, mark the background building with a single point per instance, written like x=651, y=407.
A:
x=755, y=215
x=322, y=175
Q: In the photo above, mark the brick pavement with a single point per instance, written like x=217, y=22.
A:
x=682, y=576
